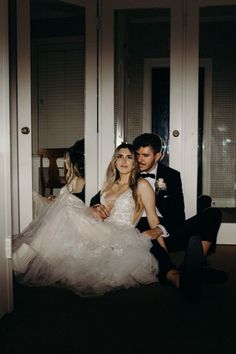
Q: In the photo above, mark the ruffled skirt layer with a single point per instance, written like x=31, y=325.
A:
x=66, y=246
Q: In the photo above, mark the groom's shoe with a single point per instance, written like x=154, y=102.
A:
x=190, y=283
x=210, y=275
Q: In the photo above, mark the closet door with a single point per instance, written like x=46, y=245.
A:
x=161, y=71
x=23, y=199
x=216, y=120
x=6, y=300
x=134, y=36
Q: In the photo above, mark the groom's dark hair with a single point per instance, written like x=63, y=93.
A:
x=148, y=139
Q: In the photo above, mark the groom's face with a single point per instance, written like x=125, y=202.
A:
x=147, y=158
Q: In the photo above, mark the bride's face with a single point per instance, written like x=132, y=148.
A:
x=124, y=161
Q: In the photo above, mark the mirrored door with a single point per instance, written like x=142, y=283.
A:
x=56, y=94
x=217, y=132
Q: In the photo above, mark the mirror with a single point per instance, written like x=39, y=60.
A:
x=57, y=87
x=217, y=78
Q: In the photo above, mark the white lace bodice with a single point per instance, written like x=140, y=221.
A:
x=123, y=209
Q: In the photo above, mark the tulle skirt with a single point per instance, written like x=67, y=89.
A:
x=66, y=246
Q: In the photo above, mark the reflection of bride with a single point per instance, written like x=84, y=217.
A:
x=74, y=163
x=68, y=246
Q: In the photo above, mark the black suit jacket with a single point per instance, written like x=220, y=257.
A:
x=96, y=199
x=170, y=202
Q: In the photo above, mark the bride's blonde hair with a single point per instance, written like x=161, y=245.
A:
x=112, y=174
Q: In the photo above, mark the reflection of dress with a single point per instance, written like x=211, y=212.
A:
x=41, y=203
x=66, y=246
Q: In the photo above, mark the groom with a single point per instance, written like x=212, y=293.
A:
x=180, y=233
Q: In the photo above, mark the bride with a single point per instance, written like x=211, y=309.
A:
x=74, y=165
x=69, y=246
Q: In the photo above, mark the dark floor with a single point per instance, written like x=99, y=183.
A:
x=149, y=319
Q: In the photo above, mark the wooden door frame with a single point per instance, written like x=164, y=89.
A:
x=6, y=286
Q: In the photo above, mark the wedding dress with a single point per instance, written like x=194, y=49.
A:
x=67, y=246
x=39, y=204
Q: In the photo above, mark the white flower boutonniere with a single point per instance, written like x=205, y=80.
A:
x=160, y=185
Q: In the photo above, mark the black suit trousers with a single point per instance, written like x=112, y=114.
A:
x=205, y=224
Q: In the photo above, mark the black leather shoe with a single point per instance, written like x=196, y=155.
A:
x=190, y=282
x=210, y=275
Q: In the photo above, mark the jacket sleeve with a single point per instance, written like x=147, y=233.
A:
x=96, y=199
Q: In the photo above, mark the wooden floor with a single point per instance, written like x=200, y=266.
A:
x=149, y=319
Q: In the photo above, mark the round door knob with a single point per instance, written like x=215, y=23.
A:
x=175, y=133
x=25, y=130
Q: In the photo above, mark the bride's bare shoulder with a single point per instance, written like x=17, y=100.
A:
x=143, y=184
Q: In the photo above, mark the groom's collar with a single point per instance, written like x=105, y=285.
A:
x=154, y=169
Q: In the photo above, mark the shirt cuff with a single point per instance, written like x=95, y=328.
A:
x=94, y=206
x=164, y=231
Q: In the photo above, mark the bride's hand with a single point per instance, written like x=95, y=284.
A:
x=100, y=211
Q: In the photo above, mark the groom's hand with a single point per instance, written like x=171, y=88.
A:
x=153, y=233
x=156, y=234
x=100, y=211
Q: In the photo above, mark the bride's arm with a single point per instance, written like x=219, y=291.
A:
x=147, y=197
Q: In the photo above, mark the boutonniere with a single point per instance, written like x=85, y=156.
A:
x=160, y=185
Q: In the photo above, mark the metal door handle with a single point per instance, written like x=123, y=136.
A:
x=25, y=130
x=175, y=133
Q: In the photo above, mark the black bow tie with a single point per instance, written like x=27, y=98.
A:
x=146, y=175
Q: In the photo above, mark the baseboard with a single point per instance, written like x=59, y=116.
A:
x=223, y=202
x=227, y=234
